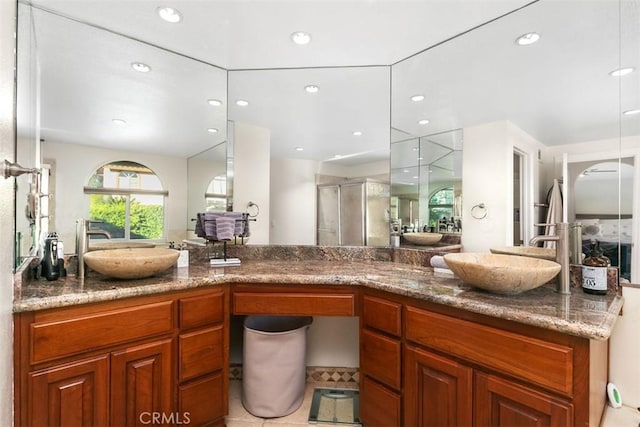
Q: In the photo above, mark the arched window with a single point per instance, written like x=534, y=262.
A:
x=216, y=194
x=441, y=204
x=129, y=199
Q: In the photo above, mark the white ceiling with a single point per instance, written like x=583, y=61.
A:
x=477, y=77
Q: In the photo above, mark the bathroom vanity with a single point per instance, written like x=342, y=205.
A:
x=431, y=348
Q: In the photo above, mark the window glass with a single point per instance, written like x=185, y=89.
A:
x=129, y=200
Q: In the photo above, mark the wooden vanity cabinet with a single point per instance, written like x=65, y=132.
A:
x=117, y=363
x=463, y=369
x=380, y=360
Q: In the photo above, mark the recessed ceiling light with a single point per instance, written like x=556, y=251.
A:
x=417, y=98
x=406, y=171
x=622, y=71
x=301, y=38
x=139, y=66
x=312, y=88
x=415, y=177
x=527, y=39
x=119, y=122
x=357, y=133
x=212, y=130
x=299, y=149
x=170, y=14
x=631, y=112
x=423, y=122
x=214, y=102
x=242, y=103
x=337, y=156
x=420, y=158
x=415, y=148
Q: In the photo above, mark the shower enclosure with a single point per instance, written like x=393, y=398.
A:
x=353, y=213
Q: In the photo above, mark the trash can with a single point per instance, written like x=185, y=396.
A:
x=274, y=364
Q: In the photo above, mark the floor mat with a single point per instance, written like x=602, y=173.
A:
x=335, y=405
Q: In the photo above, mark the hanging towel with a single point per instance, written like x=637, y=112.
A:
x=554, y=213
x=225, y=226
x=237, y=225
x=209, y=224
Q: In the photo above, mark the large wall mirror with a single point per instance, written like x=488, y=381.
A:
x=514, y=102
x=103, y=98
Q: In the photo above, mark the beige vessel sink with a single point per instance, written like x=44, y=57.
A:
x=94, y=246
x=422, y=239
x=530, y=251
x=132, y=263
x=504, y=274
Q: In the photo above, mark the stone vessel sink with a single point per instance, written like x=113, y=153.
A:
x=422, y=239
x=503, y=274
x=131, y=263
x=119, y=245
x=530, y=251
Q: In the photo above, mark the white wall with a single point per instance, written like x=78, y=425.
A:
x=251, y=176
x=487, y=177
x=7, y=204
x=74, y=165
x=293, y=202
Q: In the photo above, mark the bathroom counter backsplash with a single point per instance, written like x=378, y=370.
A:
x=580, y=314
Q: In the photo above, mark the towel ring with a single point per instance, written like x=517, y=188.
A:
x=257, y=209
x=479, y=211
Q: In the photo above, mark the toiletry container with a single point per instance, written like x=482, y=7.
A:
x=594, y=271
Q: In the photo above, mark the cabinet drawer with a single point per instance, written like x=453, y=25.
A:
x=383, y=315
x=379, y=407
x=294, y=303
x=201, y=310
x=202, y=399
x=380, y=358
x=51, y=340
x=201, y=352
x=544, y=363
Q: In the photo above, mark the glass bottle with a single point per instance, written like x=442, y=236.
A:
x=594, y=271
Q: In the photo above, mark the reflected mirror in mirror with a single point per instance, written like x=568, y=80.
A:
x=508, y=98
x=207, y=188
x=104, y=97
x=594, y=204
x=426, y=183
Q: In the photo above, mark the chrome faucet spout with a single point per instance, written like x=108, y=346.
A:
x=562, y=254
x=82, y=241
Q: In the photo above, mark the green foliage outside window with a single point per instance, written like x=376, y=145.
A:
x=146, y=221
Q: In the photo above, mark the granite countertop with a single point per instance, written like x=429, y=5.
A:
x=579, y=314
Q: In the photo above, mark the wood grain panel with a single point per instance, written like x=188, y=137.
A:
x=201, y=352
x=547, y=364
x=201, y=310
x=379, y=406
x=438, y=391
x=203, y=399
x=141, y=382
x=294, y=303
x=382, y=315
x=380, y=358
x=51, y=340
x=75, y=394
x=501, y=403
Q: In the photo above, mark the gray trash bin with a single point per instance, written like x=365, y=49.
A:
x=274, y=364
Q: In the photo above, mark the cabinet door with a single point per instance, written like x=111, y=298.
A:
x=438, y=391
x=141, y=383
x=203, y=400
x=76, y=394
x=502, y=403
x=379, y=406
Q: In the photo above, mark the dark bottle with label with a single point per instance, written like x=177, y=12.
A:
x=594, y=271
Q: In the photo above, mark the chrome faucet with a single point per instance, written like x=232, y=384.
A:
x=562, y=253
x=83, y=232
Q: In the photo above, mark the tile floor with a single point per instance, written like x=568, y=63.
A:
x=239, y=417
